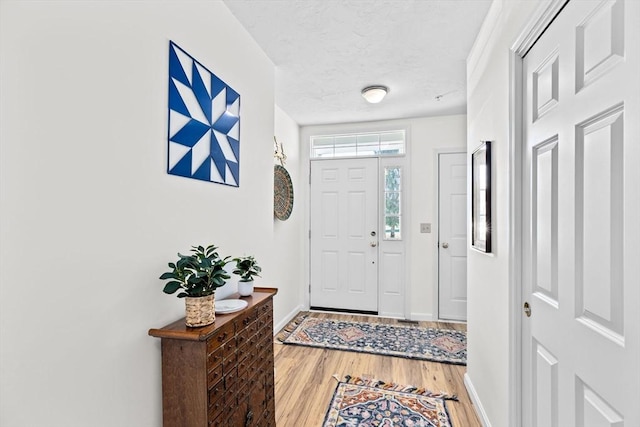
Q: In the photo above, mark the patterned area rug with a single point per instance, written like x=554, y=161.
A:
x=412, y=342
x=367, y=403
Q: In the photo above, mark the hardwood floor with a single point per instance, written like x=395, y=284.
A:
x=305, y=384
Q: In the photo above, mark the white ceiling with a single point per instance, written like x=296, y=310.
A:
x=326, y=51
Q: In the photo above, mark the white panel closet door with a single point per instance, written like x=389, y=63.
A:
x=344, y=234
x=452, y=252
x=581, y=203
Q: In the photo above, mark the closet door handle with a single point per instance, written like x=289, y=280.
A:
x=445, y=245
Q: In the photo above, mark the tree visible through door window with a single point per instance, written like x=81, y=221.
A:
x=393, y=203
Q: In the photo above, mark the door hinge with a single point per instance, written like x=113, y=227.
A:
x=309, y=287
x=309, y=177
x=309, y=234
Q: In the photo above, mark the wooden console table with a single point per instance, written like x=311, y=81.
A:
x=221, y=374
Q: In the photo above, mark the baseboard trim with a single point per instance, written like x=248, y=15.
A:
x=476, y=401
x=288, y=318
x=422, y=317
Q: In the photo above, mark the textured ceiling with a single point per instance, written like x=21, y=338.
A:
x=326, y=51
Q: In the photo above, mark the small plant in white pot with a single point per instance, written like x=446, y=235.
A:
x=197, y=276
x=246, y=268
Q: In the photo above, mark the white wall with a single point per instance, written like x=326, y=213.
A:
x=88, y=215
x=426, y=137
x=289, y=235
x=488, y=274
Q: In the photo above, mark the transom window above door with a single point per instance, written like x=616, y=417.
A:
x=370, y=144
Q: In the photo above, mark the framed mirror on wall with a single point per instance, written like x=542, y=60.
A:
x=481, y=198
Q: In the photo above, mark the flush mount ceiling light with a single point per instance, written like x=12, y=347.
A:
x=374, y=94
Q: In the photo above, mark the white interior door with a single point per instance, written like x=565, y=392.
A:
x=452, y=237
x=581, y=203
x=344, y=234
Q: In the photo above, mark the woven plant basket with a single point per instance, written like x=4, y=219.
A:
x=200, y=311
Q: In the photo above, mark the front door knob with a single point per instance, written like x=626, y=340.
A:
x=445, y=245
x=373, y=244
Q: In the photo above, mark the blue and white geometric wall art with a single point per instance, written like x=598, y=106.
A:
x=204, y=122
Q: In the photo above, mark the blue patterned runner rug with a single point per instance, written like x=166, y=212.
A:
x=412, y=342
x=368, y=403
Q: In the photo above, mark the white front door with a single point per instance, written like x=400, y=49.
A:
x=452, y=237
x=344, y=234
x=581, y=204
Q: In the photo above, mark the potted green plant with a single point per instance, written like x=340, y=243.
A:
x=197, y=276
x=246, y=268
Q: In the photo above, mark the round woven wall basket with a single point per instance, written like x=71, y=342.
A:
x=282, y=193
x=200, y=311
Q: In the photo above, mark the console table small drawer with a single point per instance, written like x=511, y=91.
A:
x=245, y=368
x=242, y=337
x=252, y=328
x=267, y=343
x=244, y=351
x=214, y=376
x=265, y=308
x=230, y=348
x=249, y=355
x=229, y=363
x=220, y=337
x=231, y=397
x=265, y=322
x=231, y=378
x=214, y=359
x=246, y=371
x=221, y=413
x=216, y=396
x=263, y=342
x=245, y=318
x=217, y=419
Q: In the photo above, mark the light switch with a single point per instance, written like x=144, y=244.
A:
x=425, y=227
